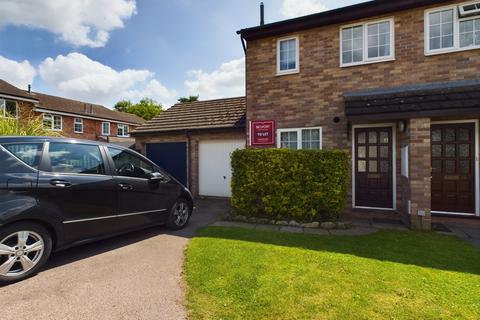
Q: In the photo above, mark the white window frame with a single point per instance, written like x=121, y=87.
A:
x=125, y=130
x=297, y=56
x=299, y=135
x=367, y=60
x=103, y=127
x=77, y=121
x=52, y=121
x=456, y=30
x=3, y=103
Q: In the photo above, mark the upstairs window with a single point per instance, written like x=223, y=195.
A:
x=287, y=56
x=105, y=128
x=78, y=125
x=300, y=138
x=367, y=43
x=122, y=130
x=52, y=122
x=8, y=108
x=441, y=27
x=453, y=28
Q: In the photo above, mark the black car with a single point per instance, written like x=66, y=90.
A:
x=56, y=193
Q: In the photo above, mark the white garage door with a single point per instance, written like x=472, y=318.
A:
x=215, y=172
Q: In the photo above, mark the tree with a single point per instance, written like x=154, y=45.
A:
x=188, y=99
x=147, y=108
x=123, y=105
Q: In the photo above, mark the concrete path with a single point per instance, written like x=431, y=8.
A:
x=134, y=276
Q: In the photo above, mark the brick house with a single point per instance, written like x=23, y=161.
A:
x=193, y=142
x=396, y=83
x=75, y=119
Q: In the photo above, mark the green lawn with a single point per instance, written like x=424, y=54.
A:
x=244, y=274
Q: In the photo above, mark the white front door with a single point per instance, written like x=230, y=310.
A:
x=215, y=172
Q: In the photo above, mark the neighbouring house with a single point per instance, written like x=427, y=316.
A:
x=193, y=142
x=396, y=83
x=75, y=119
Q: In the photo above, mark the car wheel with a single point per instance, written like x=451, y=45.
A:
x=179, y=215
x=24, y=249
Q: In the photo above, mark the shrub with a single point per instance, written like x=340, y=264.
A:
x=305, y=185
x=30, y=125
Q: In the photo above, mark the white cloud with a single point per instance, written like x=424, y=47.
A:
x=78, y=77
x=298, y=8
x=20, y=74
x=79, y=22
x=226, y=81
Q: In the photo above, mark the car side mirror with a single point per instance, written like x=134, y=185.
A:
x=157, y=177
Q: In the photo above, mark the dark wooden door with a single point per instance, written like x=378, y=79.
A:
x=373, y=167
x=453, y=167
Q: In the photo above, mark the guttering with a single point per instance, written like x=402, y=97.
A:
x=341, y=15
x=83, y=116
x=7, y=96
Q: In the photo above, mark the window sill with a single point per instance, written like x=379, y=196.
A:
x=285, y=73
x=446, y=51
x=123, y=136
x=366, y=62
x=78, y=132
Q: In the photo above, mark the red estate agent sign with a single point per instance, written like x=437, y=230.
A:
x=262, y=133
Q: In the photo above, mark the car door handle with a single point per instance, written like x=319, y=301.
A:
x=60, y=183
x=125, y=187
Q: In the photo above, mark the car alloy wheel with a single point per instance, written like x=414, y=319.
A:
x=20, y=252
x=181, y=213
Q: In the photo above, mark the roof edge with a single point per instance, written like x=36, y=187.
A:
x=339, y=15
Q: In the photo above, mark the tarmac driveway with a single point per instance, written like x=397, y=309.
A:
x=134, y=276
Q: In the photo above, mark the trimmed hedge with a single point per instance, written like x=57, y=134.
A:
x=305, y=185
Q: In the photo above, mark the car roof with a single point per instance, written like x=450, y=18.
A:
x=30, y=139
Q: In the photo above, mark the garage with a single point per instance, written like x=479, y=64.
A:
x=193, y=142
x=171, y=156
x=215, y=172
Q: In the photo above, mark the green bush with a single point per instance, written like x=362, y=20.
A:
x=305, y=185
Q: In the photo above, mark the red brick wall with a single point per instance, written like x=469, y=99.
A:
x=314, y=96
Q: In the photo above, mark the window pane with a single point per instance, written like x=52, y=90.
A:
x=437, y=135
x=76, y=158
x=379, y=40
x=311, y=139
x=47, y=121
x=372, y=152
x=372, y=137
x=362, y=152
x=288, y=54
x=129, y=165
x=289, y=140
x=57, y=122
x=384, y=151
x=28, y=153
x=372, y=166
x=450, y=134
x=464, y=166
x=441, y=29
x=352, y=44
x=362, y=166
x=464, y=150
x=450, y=150
x=436, y=150
x=464, y=134
x=10, y=108
x=361, y=137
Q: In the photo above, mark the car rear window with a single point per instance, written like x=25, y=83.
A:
x=76, y=158
x=27, y=152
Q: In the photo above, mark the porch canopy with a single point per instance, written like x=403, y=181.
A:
x=442, y=99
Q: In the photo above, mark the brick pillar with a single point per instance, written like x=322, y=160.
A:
x=420, y=173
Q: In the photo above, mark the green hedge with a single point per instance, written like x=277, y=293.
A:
x=305, y=185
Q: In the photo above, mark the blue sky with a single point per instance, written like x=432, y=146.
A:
x=107, y=50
